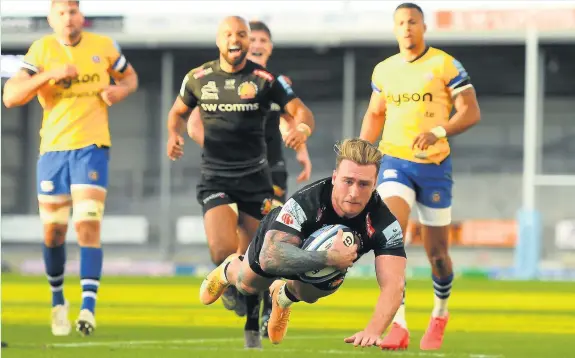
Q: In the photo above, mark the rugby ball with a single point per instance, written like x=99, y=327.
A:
x=322, y=240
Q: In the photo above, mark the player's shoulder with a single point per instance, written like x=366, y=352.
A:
x=44, y=42
x=312, y=195
x=203, y=70
x=261, y=71
x=436, y=52
x=388, y=63
x=99, y=39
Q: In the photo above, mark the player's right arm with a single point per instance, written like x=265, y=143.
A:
x=24, y=85
x=281, y=254
x=178, y=115
x=302, y=154
x=374, y=117
x=195, y=127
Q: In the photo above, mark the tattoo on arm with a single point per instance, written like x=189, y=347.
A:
x=281, y=255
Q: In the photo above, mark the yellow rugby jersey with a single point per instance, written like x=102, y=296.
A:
x=419, y=96
x=75, y=116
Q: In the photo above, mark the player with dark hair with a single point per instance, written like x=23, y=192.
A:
x=69, y=71
x=347, y=198
x=233, y=95
x=276, y=125
x=413, y=95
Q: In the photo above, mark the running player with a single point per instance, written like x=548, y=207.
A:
x=261, y=47
x=413, y=95
x=348, y=198
x=70, y=73
x=234, y=95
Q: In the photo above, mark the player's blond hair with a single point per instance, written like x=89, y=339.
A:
x=358, y=151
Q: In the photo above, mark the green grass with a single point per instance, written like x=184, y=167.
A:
x=161, y=317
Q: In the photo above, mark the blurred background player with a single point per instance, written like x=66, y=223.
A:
x=413, y=95
x=70, y=73
x=234, y=95
x=261, y=47
x=347, y=198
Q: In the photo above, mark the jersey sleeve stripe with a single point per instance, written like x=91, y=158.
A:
x=461, y=77
x=29, y=67
x=374, y=87
x=460, y=89
x=121, y=64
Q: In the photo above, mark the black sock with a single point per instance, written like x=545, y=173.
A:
x=252, y=313
x=267, y=300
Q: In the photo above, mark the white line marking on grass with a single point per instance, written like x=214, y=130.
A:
x=184, y=344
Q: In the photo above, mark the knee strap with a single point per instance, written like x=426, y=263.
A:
x=88, y=210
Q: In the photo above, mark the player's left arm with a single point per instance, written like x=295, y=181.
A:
x=124, y=76
x=390, y=264
x=458, y=83
x=283, y=94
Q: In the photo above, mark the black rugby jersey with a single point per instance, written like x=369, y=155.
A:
x=233, y=107
x=310, y=209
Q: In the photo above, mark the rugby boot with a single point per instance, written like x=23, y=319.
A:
x=215, y=284
x=396, y=339
x=433, y=337
x=279, y=318
x=60, y=323
x=86, y=323
x=252, y=340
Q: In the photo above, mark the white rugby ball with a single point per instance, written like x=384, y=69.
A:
x=322, y=240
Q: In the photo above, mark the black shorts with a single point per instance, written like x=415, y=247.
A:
x=279, y=181
x=255, y=248
x=252, y=193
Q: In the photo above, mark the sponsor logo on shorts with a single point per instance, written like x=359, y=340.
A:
x=228, y=107
x=214, y=196
x=435, y=197
x=393, y=235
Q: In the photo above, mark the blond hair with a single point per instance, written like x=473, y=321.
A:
x=358, y=151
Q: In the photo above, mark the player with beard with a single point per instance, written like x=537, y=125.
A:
x=276, y=125
x=233, y=95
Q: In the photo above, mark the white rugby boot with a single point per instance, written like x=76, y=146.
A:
x=60, y=323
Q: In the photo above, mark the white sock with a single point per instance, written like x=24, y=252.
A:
x=283, y=299
x=400, y=317
x=440, y=307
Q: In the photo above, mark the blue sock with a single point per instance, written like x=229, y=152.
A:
x=54, y=263
x=442, y=286
x=90, y=271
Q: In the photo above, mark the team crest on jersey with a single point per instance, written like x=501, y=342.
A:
x=96, y=59
x=230, y=84
x=247, y=90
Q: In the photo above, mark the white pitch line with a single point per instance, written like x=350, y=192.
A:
x=161, y=344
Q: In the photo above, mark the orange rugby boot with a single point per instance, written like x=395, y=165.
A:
x=433, y=337
x=396, y=339
x=279, y=318
x=214, y=284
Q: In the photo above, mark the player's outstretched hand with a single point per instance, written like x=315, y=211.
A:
x=364, y=339
x=424, y=140
x=343, y=252
x=175, y=146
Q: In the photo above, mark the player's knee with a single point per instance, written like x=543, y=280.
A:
x=55, y=234
x=58, y=216
x=88, y=214
x=245, y=289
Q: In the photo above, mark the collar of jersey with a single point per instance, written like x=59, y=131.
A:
x=420, y=56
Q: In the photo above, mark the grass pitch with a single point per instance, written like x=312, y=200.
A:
x=161, y=317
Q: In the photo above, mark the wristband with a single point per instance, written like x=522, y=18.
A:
x=302, y=127
x=439, y=132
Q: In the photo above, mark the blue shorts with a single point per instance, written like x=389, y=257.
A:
x=431, y=183
x=58, y=171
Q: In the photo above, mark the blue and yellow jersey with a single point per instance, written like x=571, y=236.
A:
x=75, y=116
x=419, y=96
